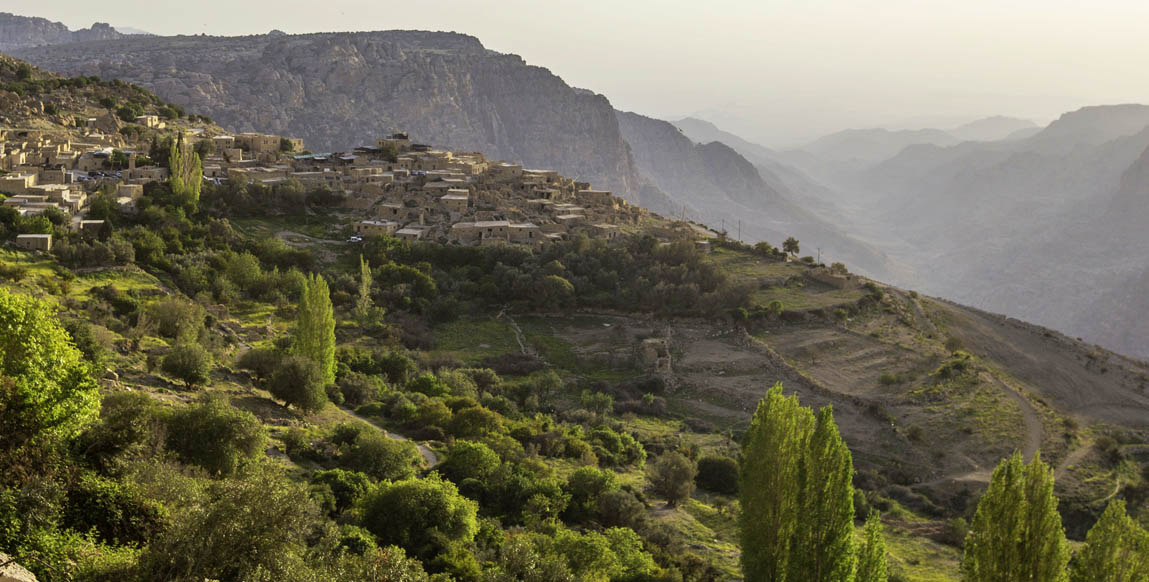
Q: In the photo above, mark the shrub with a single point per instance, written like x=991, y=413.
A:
x=672, y=476
x=469, y=460
x=717, y=474
x=130, y=422
x=429, y=385
x=346, y=487
x=299, y=382
x=117, y=511
x=358, y=389
x=381, y=457
x=256, y=528
x=475, y=422
x=215, y=435
x=188, y=362
x=263, y=362
x=421, y=515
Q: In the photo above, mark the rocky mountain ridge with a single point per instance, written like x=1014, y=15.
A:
x=343, y=89
x=17, y=32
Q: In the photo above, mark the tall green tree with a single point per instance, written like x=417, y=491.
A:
x=46, y=388
x=315, y=326
x=773, y=449
x=872, y=566
x=185, y=172
x=1016, y=533
x=363, y=302
x=823, y=548
x=1116, y=550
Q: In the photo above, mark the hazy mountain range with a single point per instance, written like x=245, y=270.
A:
x=1044, y=224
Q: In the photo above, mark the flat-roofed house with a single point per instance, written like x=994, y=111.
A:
x=375, y=227
x=605, y=231
x=133, y=191
x=17, y=183
x=91, y=227
x=455, y=200
x=464, y=232
x=35, y=242
x=526, y=233
x=569, y=220
x=494, y=229
x=149, y=121
x=411, y=233
x=595, y=197
x=390, y=210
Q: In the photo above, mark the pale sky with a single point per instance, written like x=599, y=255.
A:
x=779, y=72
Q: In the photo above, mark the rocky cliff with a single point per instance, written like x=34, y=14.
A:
x=341, y=90
x=17, y=32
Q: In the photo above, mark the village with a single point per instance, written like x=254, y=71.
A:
x=395, y=187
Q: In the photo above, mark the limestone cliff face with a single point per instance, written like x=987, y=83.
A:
x=340, y=90
x=17, y=32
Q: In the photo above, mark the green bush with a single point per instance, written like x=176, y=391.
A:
x=346, y=487
x=381, y=457
x=423, y=516
x=298, y=381
x=118, y=512
x=188, y=362
x=717, y=474
x=215, y=435
x=469, y=460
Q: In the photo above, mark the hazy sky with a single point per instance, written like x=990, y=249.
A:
x=780, y=72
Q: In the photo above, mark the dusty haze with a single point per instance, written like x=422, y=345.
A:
x=778, y=72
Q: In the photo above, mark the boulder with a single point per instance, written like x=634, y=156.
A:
x=10, y=571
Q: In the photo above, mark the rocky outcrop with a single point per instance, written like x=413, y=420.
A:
x=17, y=32
x=340, y=90
x=10, y=571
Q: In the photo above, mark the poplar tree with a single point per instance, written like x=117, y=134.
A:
x=363, y=304
x=823, y=547
x=773, y=449
x=1116, y=550
x=872, y=566
x=1016, y=533
x=315, y=329
x=185, y=172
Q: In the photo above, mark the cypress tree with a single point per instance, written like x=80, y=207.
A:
x=770, y=492
x=315, y=329
x=872, y=565
x=823, y=547
x=1116, y=550
x=1016, y=533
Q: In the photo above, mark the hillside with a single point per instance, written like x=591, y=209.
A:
x=720, y=186
x=1049, y=198
x=339, y=89
x=493, y=410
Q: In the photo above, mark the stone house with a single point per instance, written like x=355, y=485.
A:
x=455, y=200
x=411, y=233
x=35, y=242
x=150, y=121
x=605, y=231
x=375, y=227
